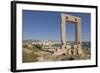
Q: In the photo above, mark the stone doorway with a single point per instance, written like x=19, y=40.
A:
x=71, y=49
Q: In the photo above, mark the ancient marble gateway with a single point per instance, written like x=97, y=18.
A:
x=71, y=49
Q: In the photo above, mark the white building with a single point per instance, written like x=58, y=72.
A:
x=44, y=43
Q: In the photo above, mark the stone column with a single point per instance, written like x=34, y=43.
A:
x=79, y=36
x=63, y=30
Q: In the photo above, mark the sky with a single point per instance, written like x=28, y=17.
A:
x=45, y=25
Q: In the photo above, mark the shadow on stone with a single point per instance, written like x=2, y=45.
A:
x=71, y=58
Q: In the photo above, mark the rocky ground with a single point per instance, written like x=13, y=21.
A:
x=37, y=55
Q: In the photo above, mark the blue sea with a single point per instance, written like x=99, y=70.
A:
x=84, y=45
